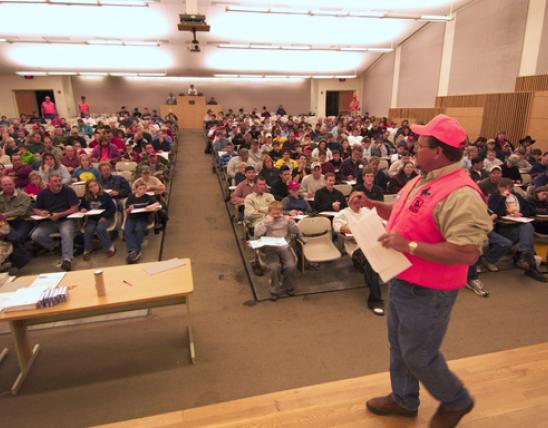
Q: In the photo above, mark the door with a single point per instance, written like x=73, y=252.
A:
x=332, y=103
x=41, y=96
x=345, y=97
x=26, y=102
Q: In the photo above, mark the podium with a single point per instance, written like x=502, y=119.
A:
x=190, y=111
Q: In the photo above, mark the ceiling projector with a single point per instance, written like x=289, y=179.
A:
x=193, y=23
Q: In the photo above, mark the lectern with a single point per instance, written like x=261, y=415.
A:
x=190, y=110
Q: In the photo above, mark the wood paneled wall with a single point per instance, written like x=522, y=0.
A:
x=471, y=118
x=532, y=83
x=501, y=112
x=538, y=120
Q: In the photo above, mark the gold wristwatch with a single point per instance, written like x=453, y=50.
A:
x=412, y=246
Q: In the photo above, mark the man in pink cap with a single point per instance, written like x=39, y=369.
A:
x=439, y=221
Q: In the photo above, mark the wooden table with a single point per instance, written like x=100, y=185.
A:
x=172, y=287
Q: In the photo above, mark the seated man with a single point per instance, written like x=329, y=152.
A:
x=256, y=203
x=328, y=198
x=15, y=205
x=279, y=189
x=489, y=185
x=286, y=161
x=115, y=185
x=227, y=155
x=539, y=200
x=243, y=156
x=56, y=203
x=244, y=188
x=371, y=278
x=280, y=261
x=152, y=183
x=477, y=170
x=504, y=202
x=371, y=190
x=313, y=182
x=351, y=167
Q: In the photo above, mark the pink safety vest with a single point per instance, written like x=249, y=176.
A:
x=84, y=107
x=48, y=108
x=414, y=220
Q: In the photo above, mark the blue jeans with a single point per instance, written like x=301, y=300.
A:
x=95, y=227
x=134, y=232
x=19, y=230
x=64, y=227
x=417, y=322
x=523, y=233
x=497, y=246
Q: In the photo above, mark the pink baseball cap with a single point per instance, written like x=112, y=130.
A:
x=444, y=128
x=293, y=185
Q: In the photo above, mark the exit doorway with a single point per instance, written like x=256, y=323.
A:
x=29, y=102
x=337, y=102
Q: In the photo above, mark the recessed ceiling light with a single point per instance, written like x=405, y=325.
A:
x=104, y=42
x=296, y=48
x=152, y=74
x=62, y=73
x=122, y=74
x=93, y=73
x=31, y=73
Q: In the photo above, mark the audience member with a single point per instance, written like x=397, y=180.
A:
x=313, y=182
x=477, y=171
x=351, y=168
x=341, y=225
x=489, y=185
x=368, y=186
x=294, y=203
x=85, y=171
x=56, y=203
x=328, y=198
x=115, y=185
x=397, y=182
x=35, y=185
x=19, y=171
x=105, y=151
x=136, y=223
x=280, y=260
x=152, y=183
x=50, y=165
x=15, y=205
x=244, y=188
x=269, y=172
x=256, y=204
x=96, y=199
x=279, y=189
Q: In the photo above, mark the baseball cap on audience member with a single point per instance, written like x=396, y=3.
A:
x=307, y=149
x=316, y=165
x=495, y=167
x=446, y=129
x=293, y=185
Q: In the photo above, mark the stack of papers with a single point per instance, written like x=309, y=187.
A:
x=150, y=208
x=267, y=241
x=42, y=292
x=386, y=262
x=39, y=217
x=329, y=213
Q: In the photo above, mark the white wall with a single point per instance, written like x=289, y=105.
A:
x=319, y=87
x=61, y=86
x=378, y=86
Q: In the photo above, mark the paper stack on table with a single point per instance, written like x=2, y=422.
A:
x=366, y=231
x=267, y=241
x=42, y=292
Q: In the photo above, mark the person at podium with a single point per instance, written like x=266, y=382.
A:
x=192, y=90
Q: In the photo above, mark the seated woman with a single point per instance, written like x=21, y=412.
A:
x=407, y=172
x=35, y=186
x=510, y=169
x=105, y=151
x=96, y=199
x=153, y=184
x=51, y=165
x=294, y=203
x=85, y=171
x=136, y=224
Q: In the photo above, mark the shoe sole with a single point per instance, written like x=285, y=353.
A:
x=389, y=413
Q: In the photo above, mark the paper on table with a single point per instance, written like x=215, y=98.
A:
x=350, y=182
x=163, y=266
x=518, y=219
x=386, y=262
x=76, y=215
x=48, y=280
x=149, y=209
x=299, y=216
x=95, y=212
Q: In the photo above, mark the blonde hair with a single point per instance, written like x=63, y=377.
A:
x=275, y=205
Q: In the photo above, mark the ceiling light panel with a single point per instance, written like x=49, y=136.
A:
x=89, y=57
x=49, y=20
x=285, y=61
x=305, y=30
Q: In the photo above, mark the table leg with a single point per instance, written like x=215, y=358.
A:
x=25, y=355
x=3, y=354
x=191, y=346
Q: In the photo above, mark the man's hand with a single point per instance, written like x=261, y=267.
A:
x=268, y=219
x=114, y=193
x=516, y=214
x=55, y=216
x=336, y=206
x=394, y=241
x=366, y=202
x=42, y=213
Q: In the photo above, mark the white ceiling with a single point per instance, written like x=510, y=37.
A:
x=158, y=22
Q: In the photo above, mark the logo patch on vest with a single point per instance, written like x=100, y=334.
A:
x=418, y=202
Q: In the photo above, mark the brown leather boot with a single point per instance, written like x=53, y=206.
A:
x=386, y=406
x=444, y=418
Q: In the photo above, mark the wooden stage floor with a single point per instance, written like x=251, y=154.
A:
x=510, y=388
